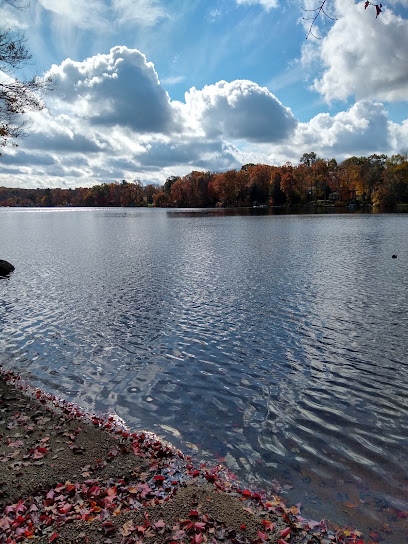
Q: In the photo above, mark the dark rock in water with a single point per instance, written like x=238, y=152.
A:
x=5, y=268
x=394, y=256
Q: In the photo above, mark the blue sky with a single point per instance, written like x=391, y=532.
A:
x=145, y=89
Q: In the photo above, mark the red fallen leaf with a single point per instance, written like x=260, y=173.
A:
x=198, y=538
x=37, y=455
x=5, y=523
x=193, y=513
x=285, y=532
x=159, y=524
x=140, y=529
x=10, y=508
x=268, y=525
x=15, y=444
x=95, y=490
x=199, y=525
x=262, y=536
x=127, y=528
x=111, y=491
x=20, y=507
x=281, y=541
x=132, y=490
x=246, y=493
x=70, y=488
x=144, y=490
x=195, y=473
x=159, y=478
x=53, y=537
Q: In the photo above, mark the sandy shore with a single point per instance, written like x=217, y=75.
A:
x=68, y=477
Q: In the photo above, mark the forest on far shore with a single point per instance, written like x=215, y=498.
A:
x=376, y=180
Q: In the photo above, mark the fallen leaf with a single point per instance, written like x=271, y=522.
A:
x=268, y=525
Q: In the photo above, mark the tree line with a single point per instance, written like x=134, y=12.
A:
x=123, y=194
x=376, y=180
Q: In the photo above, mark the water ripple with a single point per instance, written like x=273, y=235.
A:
x=274, y=343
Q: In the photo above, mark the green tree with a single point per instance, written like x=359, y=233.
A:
x=308, y=159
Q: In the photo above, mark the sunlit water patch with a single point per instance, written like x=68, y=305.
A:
x=274, y=344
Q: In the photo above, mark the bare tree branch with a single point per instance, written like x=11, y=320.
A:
x=317, y=11
x=16, y=96
x=320, y=10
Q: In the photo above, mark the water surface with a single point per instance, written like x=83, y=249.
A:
x=276, y=344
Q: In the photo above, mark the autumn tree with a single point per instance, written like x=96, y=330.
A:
x=16, y=96
x=394, y=188
x=349, y=174
x=168, y=183
x=288, y=186
x=277, y=196
x=258, y=183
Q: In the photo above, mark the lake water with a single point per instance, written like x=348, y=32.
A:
x=275, y=344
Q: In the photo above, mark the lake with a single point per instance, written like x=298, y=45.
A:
x=275, y=344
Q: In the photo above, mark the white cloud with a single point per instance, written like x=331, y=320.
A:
x=364, y=56
x=361, y=130
x=12, y=18
x=120, y=88
x=89, y=14
x=191, y=153
x=172, y=80
x=142, y=12
x=266, y=4
x=240, y=110
x=95, y=13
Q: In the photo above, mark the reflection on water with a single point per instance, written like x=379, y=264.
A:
x=276, y=344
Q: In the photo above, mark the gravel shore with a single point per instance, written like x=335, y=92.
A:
x=69, y=477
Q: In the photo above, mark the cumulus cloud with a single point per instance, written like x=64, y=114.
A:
x=266, y=4
x=362, y=129
x=364, y=56
x=120, y=88
x=240, y=110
